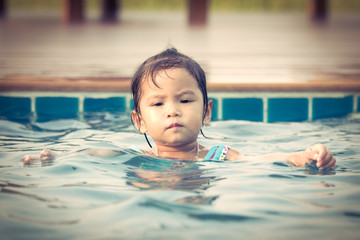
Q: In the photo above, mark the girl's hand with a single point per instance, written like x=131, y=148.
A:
x=45, y=156
x=323, y=156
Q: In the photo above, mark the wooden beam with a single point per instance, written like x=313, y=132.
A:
x=110, y=10
x=73, y=11
x=3, y=9
x=111, y=84
x=197, y=12
x=318, y=9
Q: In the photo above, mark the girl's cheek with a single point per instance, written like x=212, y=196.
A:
x=153, y=114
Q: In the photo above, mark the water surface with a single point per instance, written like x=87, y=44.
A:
x=127, y=196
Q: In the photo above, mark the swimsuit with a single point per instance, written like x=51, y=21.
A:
x=216, y=153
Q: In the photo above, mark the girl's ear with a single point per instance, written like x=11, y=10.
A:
x=138, y=122
x=207, y=116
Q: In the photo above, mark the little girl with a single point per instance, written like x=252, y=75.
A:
x=171, y=105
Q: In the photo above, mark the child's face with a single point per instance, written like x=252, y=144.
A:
x=172, y=112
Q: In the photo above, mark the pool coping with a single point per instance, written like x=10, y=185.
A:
x=122, y=84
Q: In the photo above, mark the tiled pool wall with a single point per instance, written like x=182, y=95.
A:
x=250, y=106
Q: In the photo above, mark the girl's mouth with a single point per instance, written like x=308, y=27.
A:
x=174, y=125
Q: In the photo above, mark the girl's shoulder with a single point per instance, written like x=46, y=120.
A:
x=216, y=153
x=138, y=150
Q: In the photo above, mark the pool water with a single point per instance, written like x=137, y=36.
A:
x=127, y=196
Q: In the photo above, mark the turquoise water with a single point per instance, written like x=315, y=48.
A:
x=125, y=196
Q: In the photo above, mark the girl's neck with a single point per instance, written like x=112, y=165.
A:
x=186, y=152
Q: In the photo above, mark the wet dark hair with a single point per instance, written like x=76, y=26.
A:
x=170, y=58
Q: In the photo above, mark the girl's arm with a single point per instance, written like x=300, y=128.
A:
x=47, y=155
x=319, y=153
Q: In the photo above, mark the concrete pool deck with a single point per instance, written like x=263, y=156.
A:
x=239, y=52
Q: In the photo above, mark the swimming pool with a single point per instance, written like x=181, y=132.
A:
x=124, y=196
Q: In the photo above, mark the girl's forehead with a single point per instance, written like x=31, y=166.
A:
x=173, y=77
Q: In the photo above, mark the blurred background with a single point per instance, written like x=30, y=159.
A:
x=236, y=41
x=33, y=7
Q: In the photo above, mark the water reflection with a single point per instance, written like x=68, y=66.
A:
x=147, y=173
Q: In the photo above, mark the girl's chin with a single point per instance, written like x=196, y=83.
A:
x=177, y=140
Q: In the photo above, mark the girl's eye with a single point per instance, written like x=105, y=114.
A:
x=158, y=104
x=185, y=101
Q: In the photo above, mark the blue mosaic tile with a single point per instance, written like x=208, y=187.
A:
x=15, y=108
x=214, y=115
x=50, y=108
x=249, y=109
x=288, y=109
x=332, y=107
x=112, y=104
x=132, y=104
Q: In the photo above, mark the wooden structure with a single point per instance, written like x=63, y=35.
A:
x=110, y=10
x=318, y=9
x=293, y=56
x=3, y=9
x=74, y=10
x=197, y=12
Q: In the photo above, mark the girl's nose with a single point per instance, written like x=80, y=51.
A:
x=173, y=111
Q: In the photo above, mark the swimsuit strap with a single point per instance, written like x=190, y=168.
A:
x=136, y=149
x=217, y=152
